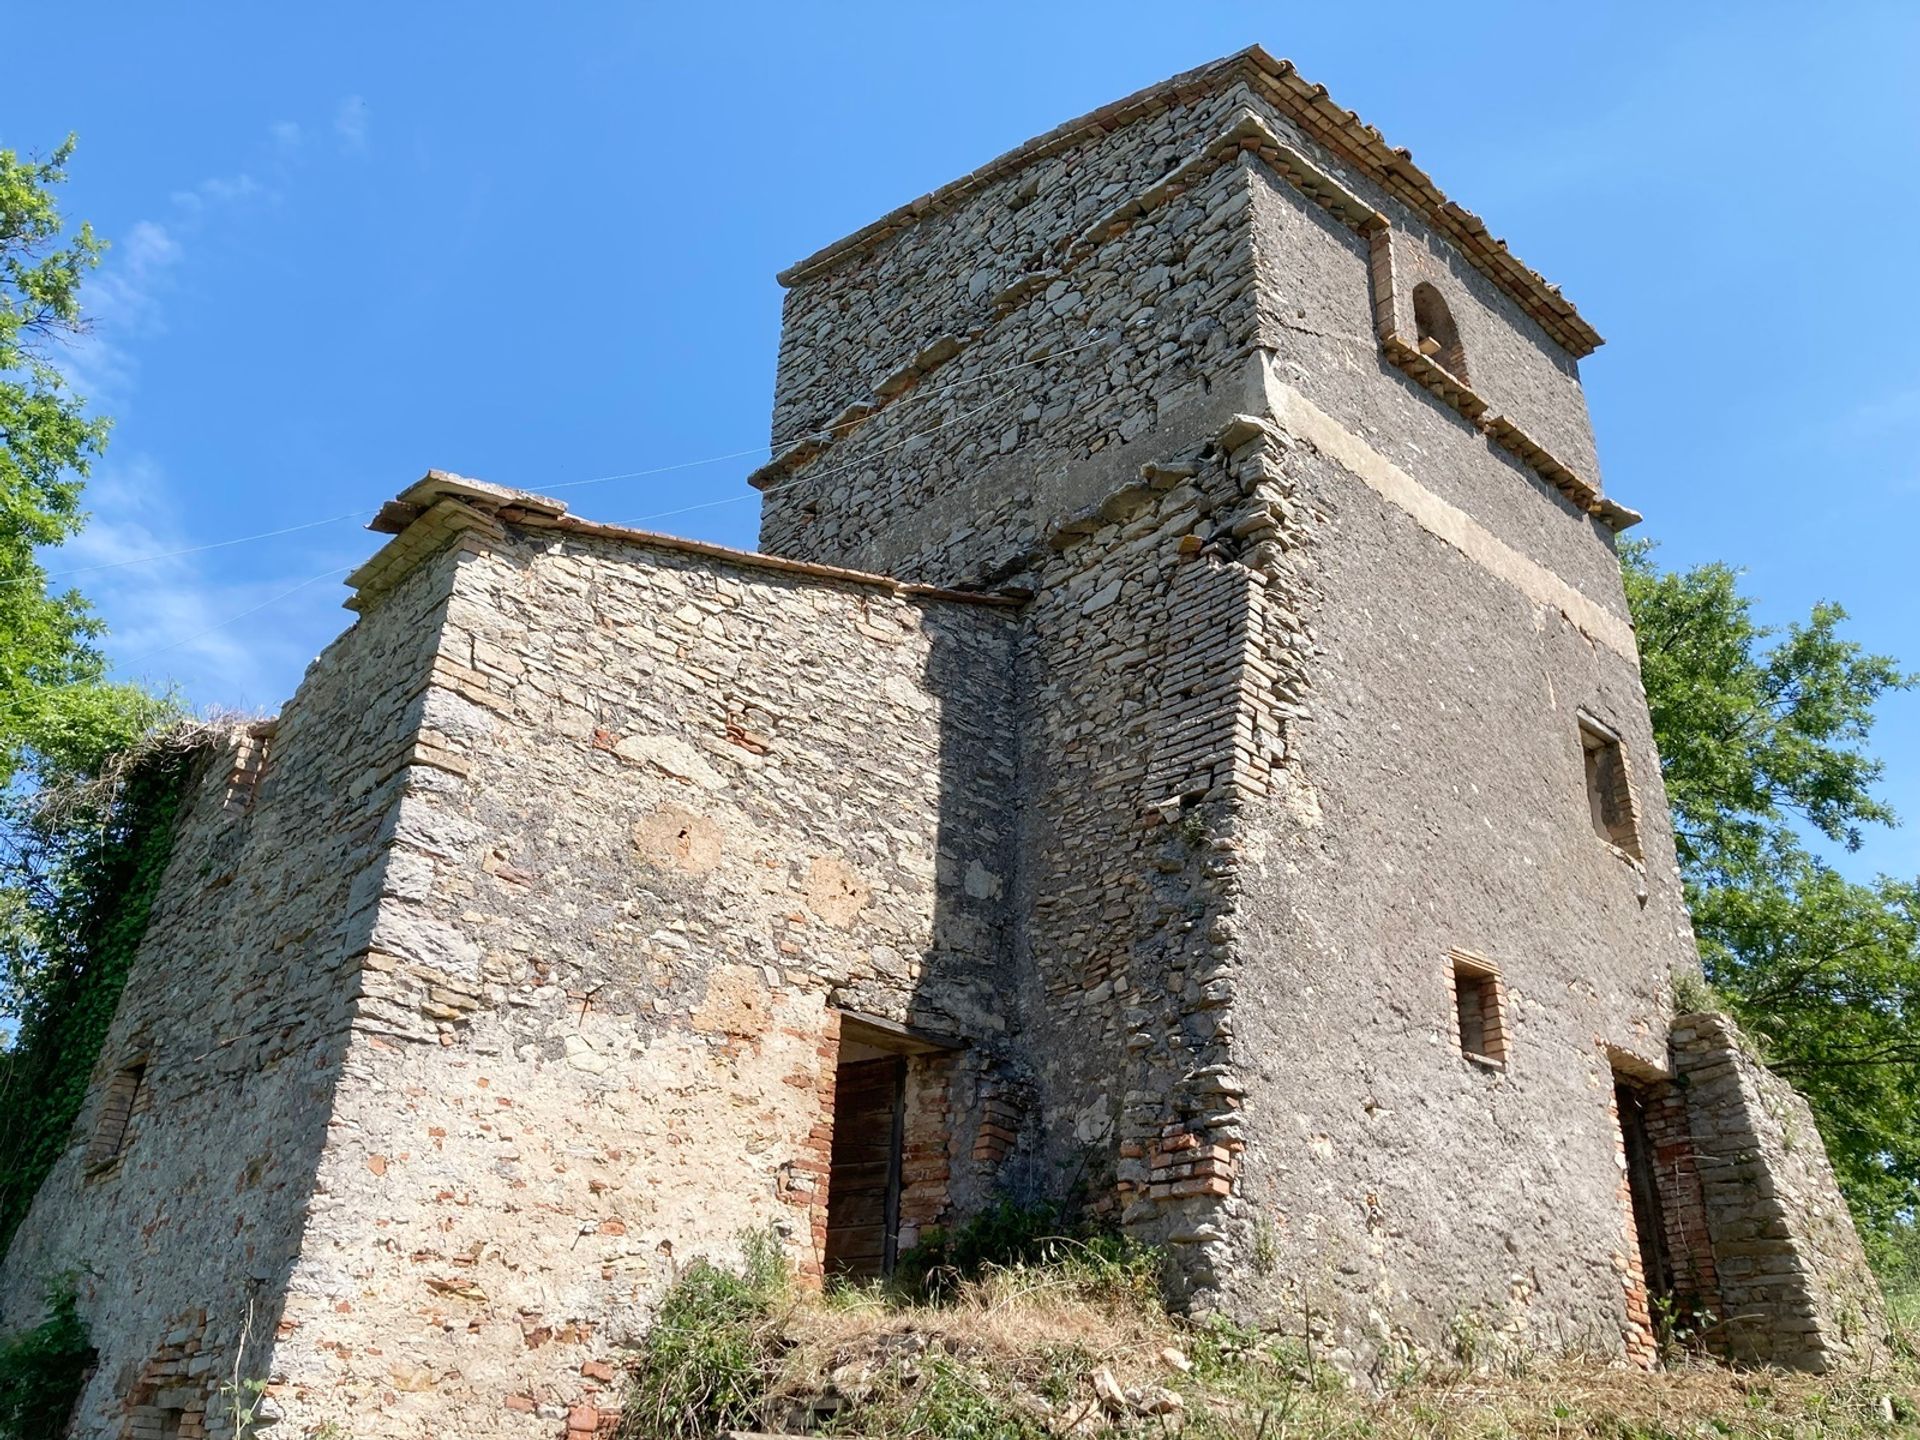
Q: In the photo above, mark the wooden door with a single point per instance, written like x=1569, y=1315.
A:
x=863, y=1184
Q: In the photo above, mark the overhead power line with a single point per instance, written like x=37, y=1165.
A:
x=186, y=550
x=807, y=476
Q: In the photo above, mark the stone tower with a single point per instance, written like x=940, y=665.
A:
x=1180, y=746
x=1348, y=921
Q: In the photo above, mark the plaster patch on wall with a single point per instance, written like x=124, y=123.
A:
x=735, y=1003
x=835, y=892
x=680, y=838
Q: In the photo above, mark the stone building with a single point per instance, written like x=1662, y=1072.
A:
x=1180, y=745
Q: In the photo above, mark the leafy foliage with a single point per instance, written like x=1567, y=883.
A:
x=1762, y=737
x=74, y=882
x=42, y=1370
x=67, y=959
x=58, y=715
x=1758, y=728
x=1009, y=1233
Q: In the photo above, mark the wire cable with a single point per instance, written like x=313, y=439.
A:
x=234, y=619
x=823, y=474
x=842, y=425
x=808, y=476
x=185, y=550
x=188, y=549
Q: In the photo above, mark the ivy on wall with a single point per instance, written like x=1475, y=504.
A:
x=94, y=914
x=43, y=1370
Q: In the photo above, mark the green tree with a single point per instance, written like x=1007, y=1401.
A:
x=1762, y=735
x=76, y=877
x=58, y=715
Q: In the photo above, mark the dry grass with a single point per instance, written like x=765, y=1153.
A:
x=1024, y=1339
x=1004, y=1315
x=1017, y=1354
x=55, y=806
x=1591, y=1398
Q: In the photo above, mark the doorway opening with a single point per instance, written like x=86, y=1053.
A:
x=1643, y=1198
x=887, y=1171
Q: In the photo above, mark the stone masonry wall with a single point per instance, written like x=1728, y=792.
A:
x=672, y=811
x=238, y=1003
x=1794, y=1287
x=1156, y=668
x=1396, y=1192
x=1100, y=291
x=1102, y=350
x=1317, y=324
x=1130, y=660
x=846, y=329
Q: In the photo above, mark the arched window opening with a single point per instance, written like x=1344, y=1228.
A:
x=1439, y=336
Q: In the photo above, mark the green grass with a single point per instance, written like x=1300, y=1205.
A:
x=1023, y=1350
x=1905, y=1304
x=706, y=1363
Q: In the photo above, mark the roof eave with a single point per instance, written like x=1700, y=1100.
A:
x=1328, y=123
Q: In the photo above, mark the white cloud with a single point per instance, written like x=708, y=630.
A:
x=123, y=298
x=185, y=619
x=150, y=246
x=1892, y=412
x=122, y=305
x=350, y=123
x=182, y=620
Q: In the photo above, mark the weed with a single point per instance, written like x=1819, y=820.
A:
x=1266, y=1246
x=713, y=1348
x=1065, y=1345
x=1100, y=1265
x=249, y=1408
x=1193, y=828
x=1692, y=995
x=956, y=1402
x=42, y=1370
x=1681, y=1330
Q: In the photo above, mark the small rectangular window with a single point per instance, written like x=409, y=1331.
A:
x=116, y=1112
x=1609, y=791
x=1480, y=1007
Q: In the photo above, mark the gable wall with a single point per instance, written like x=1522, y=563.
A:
x=676, y=810
x=240, y=998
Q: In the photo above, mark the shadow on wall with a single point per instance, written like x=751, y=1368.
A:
x=198, y=1148
x=928, y=1101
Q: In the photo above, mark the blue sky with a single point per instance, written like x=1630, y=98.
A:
x=538, y=246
